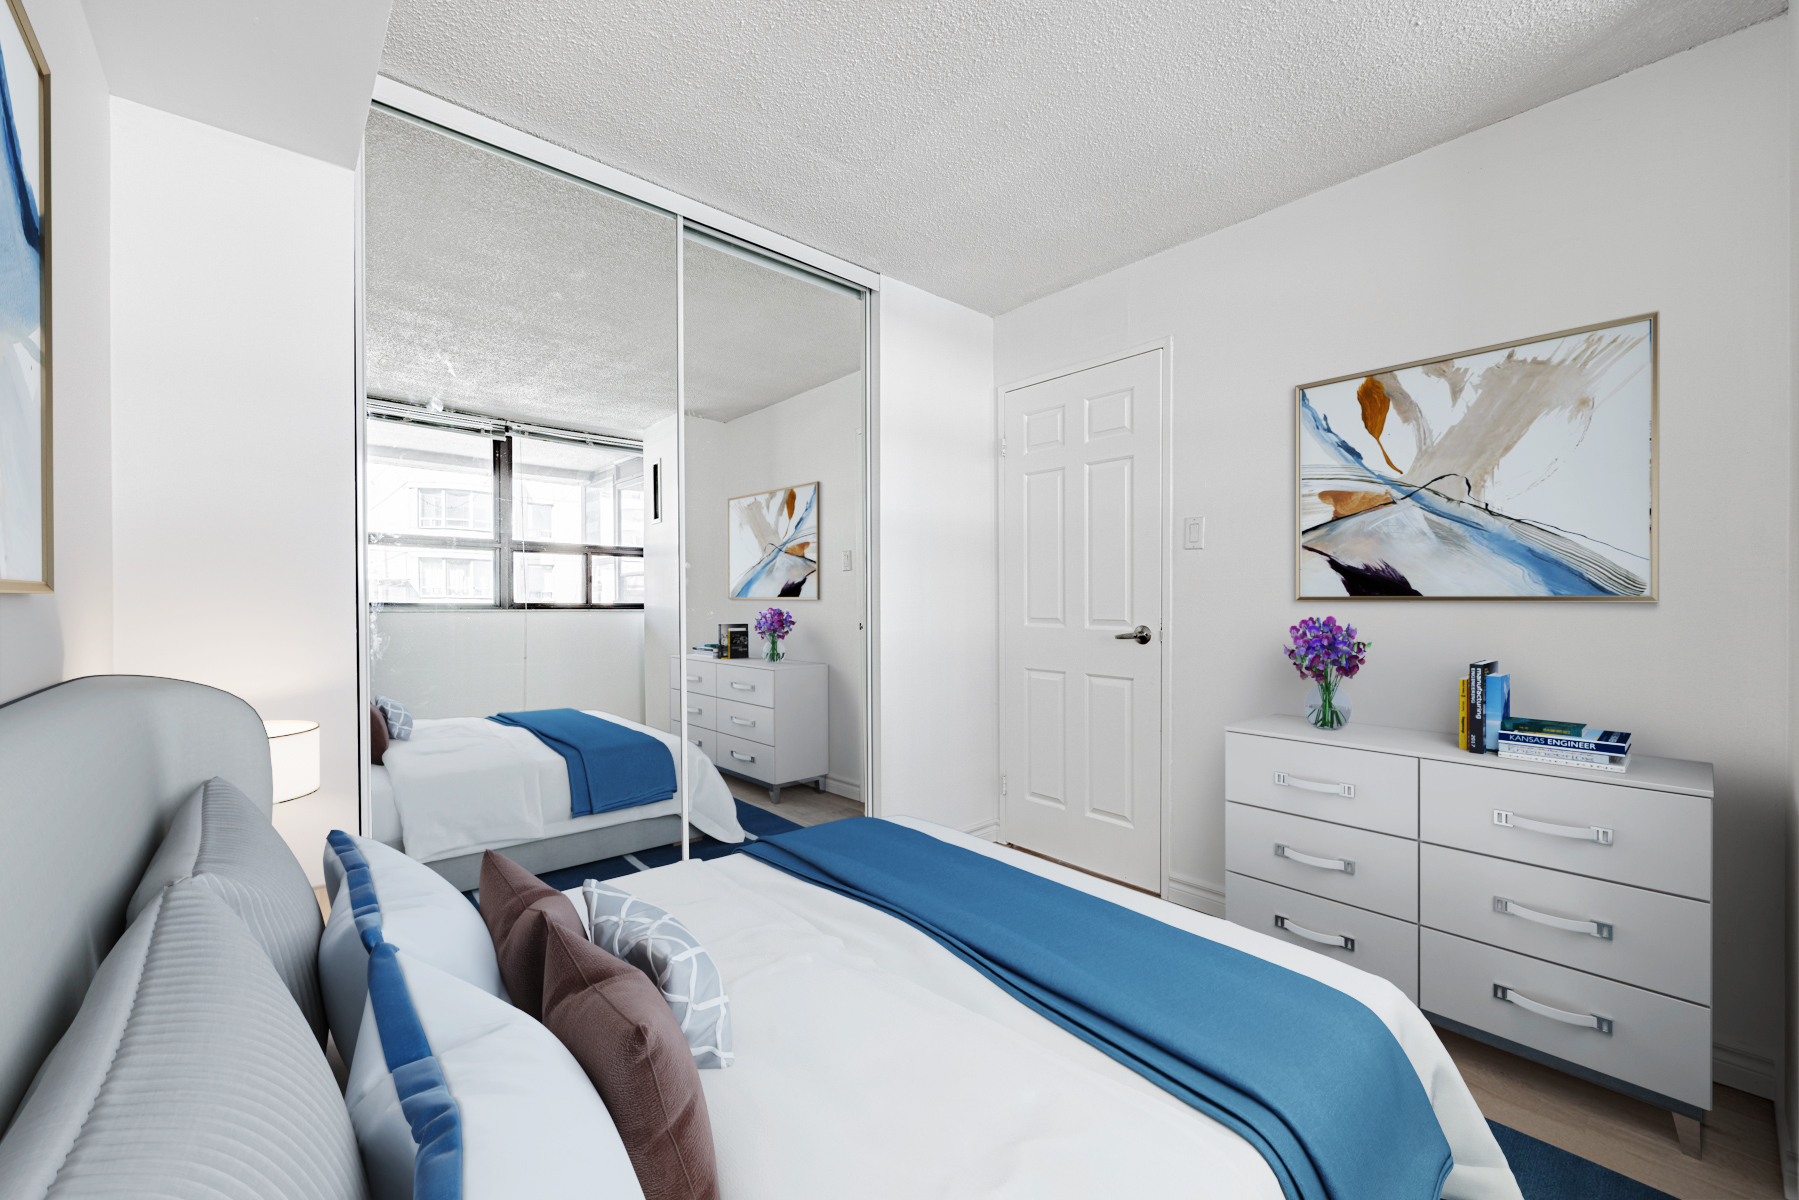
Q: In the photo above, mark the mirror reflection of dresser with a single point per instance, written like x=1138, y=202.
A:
x=765, y=721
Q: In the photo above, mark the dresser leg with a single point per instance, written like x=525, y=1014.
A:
x=1690, y=1132
x=774, y=793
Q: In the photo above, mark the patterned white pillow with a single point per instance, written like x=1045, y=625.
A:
x=662, y=948
x=399, y=721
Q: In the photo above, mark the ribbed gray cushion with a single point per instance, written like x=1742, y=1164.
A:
x=222, y=841
x=188, y=1074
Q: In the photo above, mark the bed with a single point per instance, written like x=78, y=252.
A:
x=461, y=785
x=848, y=1022
x=869, y=1060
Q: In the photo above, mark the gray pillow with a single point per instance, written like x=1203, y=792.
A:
x=188, y=1074
x=662, y=948
x=221, y=841
x=399, y=721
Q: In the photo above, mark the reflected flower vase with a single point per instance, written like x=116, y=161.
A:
x=771, y=649
x=1328, y=705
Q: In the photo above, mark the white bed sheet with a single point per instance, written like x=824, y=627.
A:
x=463, y=784
x=871, y=1061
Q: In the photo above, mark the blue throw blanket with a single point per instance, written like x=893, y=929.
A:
x=1307, y=1074
x=609, y=766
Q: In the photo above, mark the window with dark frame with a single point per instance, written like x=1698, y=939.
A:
x=490, y=518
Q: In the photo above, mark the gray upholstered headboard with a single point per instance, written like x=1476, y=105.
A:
x=90, y=773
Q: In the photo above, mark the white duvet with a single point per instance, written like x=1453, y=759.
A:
x=462, y=784
x=872, y=1062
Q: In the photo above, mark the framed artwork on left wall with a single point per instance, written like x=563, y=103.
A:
x=25, y=498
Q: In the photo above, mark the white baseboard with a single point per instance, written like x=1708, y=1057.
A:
x=1746, y=1071
x=1195, y=894
x=985, y=830
x=843, y=787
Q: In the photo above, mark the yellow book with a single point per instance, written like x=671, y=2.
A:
x=1461, y=712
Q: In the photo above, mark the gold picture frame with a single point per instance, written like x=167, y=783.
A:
x=27, y=510
x=1535, y=549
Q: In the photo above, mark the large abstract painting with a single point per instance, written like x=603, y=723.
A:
x=24, y=341
x=1523, y=471
x=774, y=544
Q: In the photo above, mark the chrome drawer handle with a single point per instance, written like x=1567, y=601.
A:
x=693, y=679
x=743, y=757
x=1512, y=908
x=743, y=687
x=1584, y=1020
x=741, y=721
x=696, y=710
x=1329, y=864
x=1339, y=940
x=1346, y=790
x=700, y=742
x=1584, y=833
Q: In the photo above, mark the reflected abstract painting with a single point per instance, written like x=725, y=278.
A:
x=774, y=544
x=1523, y=471
x=24, y=392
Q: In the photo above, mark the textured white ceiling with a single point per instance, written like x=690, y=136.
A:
x=500, y=288
x=993, y=151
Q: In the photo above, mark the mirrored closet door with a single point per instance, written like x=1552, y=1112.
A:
x=556, y=542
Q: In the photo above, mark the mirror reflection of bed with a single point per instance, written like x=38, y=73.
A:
x=523, y=507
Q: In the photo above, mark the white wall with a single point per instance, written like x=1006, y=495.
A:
x=477, y=663
x=661, y=579
x=234, y=421
x=1663, y=190
x=937, y=704
x=53, y=636
x=816, y=435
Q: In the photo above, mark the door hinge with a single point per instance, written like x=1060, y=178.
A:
x=1002, y=785
x=1002, y=447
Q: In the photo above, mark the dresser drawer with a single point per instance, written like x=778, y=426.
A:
x=701, y=710
x=1355, y=866
x=746, y=721
x=1656, y=1042
x=747, y=685
x=1659, y=840
x=1377, y=944
x=746, y=758
x=702, y=677
x=703, y=739
x=1651, y=939
x=1309, y=779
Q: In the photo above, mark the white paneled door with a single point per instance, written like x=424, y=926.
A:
x=1081, y=512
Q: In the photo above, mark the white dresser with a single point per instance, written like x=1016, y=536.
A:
x=770, y=722
x=1562, y=914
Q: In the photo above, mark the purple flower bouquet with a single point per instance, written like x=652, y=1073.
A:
x=1326, y=653
x=774, y=624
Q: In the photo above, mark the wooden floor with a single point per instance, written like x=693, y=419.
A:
x=1742, y=1150
x=802, y=804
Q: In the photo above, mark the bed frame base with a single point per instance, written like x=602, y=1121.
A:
x=568, y=850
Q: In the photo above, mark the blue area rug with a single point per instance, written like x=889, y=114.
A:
x=758, y=822
x=1546, y=1172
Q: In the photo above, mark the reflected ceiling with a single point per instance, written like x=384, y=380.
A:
x=499, y=288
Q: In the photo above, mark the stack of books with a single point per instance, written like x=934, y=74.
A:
x=1485, y=702
x=1565, y=744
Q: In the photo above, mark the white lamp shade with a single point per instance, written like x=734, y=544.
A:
x=294, y=758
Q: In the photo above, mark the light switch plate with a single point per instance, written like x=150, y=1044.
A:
x=849, y=562
x=1193, y=533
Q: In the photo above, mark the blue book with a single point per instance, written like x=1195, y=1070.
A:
x=1498, y=700
x=1566, y=735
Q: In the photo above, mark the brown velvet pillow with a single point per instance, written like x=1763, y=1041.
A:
x=615, y=1022
x=377, y=735
x=519, y=908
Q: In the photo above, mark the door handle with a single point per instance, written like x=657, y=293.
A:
x=1140, y=635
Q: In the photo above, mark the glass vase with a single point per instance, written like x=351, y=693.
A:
x=771, y=649
x=1328, y=705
